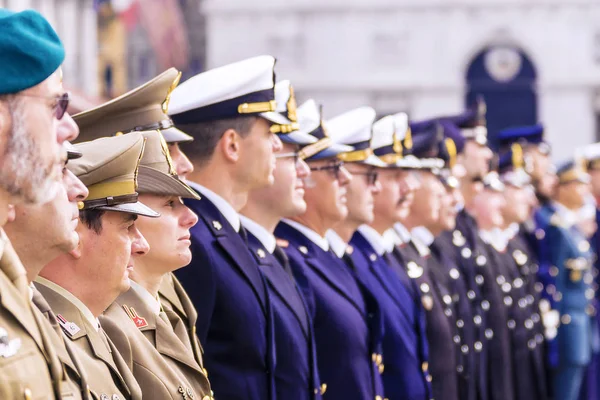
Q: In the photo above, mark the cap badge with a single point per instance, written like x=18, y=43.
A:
x=70, y=328
x=137, y=320
x=165, y=104
x=167, y=154
x=292, y=106
x=8, y=348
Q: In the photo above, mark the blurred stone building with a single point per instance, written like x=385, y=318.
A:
x=532, y=60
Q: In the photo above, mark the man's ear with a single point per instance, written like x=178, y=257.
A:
x=230, y=145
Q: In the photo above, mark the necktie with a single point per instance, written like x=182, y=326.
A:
x=178, y=327
x=244, y=235
x=283, y=260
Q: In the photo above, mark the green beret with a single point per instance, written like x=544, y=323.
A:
x=30, y=48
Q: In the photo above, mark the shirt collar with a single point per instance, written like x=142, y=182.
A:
x=376, y=241
x=568, y=217
x=512, y=230
x=423, y=234
x=264, y=237
x=74, y=300
x=402, y=232
x=391, y=239
x=336, y=242
x=147, y=298
x=31, y=288
x=309, y=233
x=222, y=205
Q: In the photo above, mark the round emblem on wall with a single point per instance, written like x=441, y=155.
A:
x=503, y=63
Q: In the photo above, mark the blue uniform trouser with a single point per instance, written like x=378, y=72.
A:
x=567, y=382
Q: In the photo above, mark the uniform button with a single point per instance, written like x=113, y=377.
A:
x=456, y=339
x=588, y=279
x=557, y=296
x=447, y=299
x=480, y=260
x=378, y=397
x=590, y=310
x=27, y=394
x=531, y=344
x=535, y=317
x=454, y=274
x=448, y=312
x=528, y=324
x=381, y=369
x=525, y=270
x=460, y=369
x=550, y=289
x=500, y=279
x=485, y=305
x=477, y=320
x=478, y=346
x=489, y=334
x=425, y=366
x=479, y=279
x=589, y=294
x=522, y=303
x=511, y=324
x=424, y=288
x=565, y=319
x=428, y=378
x=471, y=294
x=553, y=271
x=465, y=252
x=464, y=348
x=529, y=299
x=518, y=283
x=538, y=286
x=323, y=388
x=539, y=233
x=207, y=398
x=506, y=287
x=374, y=357
x=508, y=301
x=539, y=338
x=460, y=323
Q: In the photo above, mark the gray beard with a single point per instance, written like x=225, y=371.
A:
x=22, y=171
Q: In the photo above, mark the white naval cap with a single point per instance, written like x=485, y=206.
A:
x=287, y=114
x=242, y=88
x=354, y=128
x=391, y=138
x=311, y=123
x=591, y=155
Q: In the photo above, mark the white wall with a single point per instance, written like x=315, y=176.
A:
x=412, y=55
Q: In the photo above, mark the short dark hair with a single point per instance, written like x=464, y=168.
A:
x=92, y=219
x=207, y=135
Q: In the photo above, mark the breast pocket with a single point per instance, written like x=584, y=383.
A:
x=17, y=380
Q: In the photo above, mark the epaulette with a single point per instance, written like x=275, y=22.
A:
x=282, y=243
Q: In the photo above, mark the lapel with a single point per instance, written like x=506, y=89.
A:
x=231, y=243
x=378, y=267
x=330, y=268
x=280, y=281
x=167, y=343
x=168, y=291
x=55, y=333
x=63, y=307
x=14, y=302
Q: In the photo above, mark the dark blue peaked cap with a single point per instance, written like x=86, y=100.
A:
x=533, y=134
x=30, y=50
x=427, y=136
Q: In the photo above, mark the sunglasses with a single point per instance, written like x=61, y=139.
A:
x=294, y=155
x=371, y=176
x=333, y=168
x=62, y=103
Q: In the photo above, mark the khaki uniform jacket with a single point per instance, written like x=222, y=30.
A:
x=29, y=367
x=75, y=382
x=173, y=297
x=160, y=337
x=109, y=378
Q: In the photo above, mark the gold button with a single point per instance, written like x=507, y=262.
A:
x=378, y=397
x=379, y=359
x=381, y=368
x=207, y=398
x=374, y=357
x=27, y=393
x=565, y=319
x=425, y=366
x=323, y=388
